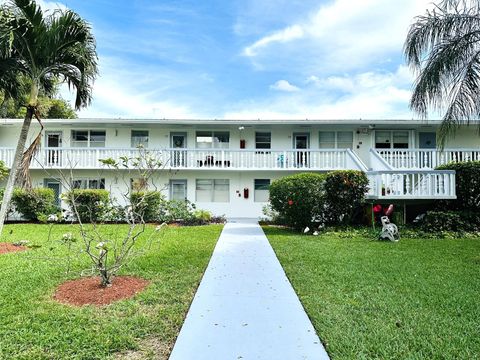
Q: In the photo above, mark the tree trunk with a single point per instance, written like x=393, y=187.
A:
x=12, y=177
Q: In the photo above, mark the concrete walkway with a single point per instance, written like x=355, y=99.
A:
x=245, y=307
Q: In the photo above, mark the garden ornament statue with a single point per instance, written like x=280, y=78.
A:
x=389, y=230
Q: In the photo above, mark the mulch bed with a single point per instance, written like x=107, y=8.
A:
x=88, y=291
x=6, y=248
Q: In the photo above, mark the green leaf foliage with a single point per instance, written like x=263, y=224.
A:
x=146, y=204
x=345, y=192
x=3, y=170
x=443, y=48
x=298, y=198
x=456, y=221
x=34, y=204
x=92, y=205
x=467, y=185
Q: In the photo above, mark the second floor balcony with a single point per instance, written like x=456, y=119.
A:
x=425, y=158
x=196, y=159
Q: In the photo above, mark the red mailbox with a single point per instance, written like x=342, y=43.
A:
x=245, y=193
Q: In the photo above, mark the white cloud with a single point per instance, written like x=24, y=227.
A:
x=120, y=92
x=51, y=5
x=284, y=85
x=339, y=36
x=45, y=5
x=365, y=95
x=401, y=78
x=282, y=36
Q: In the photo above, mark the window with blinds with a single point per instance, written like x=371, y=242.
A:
x=139, y=138
x=263, y=140
x=335, y=139
x=212, y=139
x=261, y=187
x=391, y=139
x=212, y=190
x=88, y=138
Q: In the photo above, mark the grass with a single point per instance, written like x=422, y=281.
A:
x=33, y=326
x=416, y=299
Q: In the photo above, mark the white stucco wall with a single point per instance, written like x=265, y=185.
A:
x=119, y=136
x=118, y=182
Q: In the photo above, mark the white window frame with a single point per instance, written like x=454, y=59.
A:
x=89, y=138
x=85, y=183
x=409, y=138
x=212, y=190
x=259, y=194
x=335, y=132
x=213, y=143
x=263, y=142
x=145, y=145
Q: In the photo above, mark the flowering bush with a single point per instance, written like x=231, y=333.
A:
x=345, y=192
x=298, y=199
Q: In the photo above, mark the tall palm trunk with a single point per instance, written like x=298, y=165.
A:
x=12, y=177
x=7, y=196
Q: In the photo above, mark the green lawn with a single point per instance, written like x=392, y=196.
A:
x=33, y=326
x=416, y=299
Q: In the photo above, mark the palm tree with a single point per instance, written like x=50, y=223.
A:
x=45, y=48
x=443, y=47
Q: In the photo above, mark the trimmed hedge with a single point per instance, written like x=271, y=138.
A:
x=345, y=192
x=34, y=204
x=92, y=204
x=467, y=185
x=298, y=198
x=146, y=204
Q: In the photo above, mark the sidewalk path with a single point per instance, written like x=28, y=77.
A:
x=245, y=307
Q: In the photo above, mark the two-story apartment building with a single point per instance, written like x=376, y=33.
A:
x=226, y=166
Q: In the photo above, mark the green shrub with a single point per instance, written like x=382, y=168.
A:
x=345, y=192
x=92, y=204
x=298, y=199
x=467, y=181
x=146, y=204
x=34, y=204
x=177, y=211
x=457, y=221
x=202, y=217
x=3, y=170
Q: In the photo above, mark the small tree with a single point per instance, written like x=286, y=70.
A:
x=109, y=254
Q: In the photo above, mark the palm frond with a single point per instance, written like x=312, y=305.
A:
x=433, y=29
x=443, y=48
x=464, y=102
x=442, y=71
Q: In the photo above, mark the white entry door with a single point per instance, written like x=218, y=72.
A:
x=54, y=142
x=301, y=142
x=178, y=143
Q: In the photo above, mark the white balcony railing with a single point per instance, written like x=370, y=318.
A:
x=88, y=158
x=426, y=158
x=414, y=184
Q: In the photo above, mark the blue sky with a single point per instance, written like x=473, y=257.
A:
x=250, y=59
